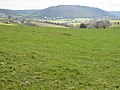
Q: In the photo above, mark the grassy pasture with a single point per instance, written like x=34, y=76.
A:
x=48, y=25
x=36, y=58
x=115, y=26
x=8, y=24
x=114, y=20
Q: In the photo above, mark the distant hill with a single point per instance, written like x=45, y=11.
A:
x=115, y=13
x=73, y=11
x=7, y=12
x=61, y=11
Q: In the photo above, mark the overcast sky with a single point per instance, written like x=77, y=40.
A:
x=109, y=5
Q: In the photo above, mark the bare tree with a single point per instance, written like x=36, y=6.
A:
x=9, y=17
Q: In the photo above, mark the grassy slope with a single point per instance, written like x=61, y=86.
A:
x=34, y=58
x=8, y=24
x=114, y=20
x=115, y=26
x=48, y=25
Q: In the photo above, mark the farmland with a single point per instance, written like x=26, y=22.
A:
x=41, y=58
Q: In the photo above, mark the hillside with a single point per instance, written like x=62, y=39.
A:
x=115, y=13
x=73, y=11
x=62, y=11
x=6, y=12
x=16, y=13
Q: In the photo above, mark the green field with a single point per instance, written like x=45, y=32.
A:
x=114, y=20
x=8, y=24
x=36, y=58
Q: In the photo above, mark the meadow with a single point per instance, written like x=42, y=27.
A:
x=41, y=58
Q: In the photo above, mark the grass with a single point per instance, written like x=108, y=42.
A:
x=114, y=20
x=115, y=26
x=8, y=24
x=36, y=58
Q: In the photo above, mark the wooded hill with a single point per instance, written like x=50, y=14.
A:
x=115, y=13
x=61, y=11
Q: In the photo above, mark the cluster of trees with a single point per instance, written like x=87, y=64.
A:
x=28, y=23
x=98, y=24
x=66, y=24
x=7, y=20
x=20, y=22
x=116, y=23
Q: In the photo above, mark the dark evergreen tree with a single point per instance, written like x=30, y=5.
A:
x=83, y=25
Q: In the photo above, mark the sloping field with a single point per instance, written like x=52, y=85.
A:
x=8, y=24
x=34, y=58
x=48, y=25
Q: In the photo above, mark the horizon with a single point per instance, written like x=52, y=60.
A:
x=109, y=5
